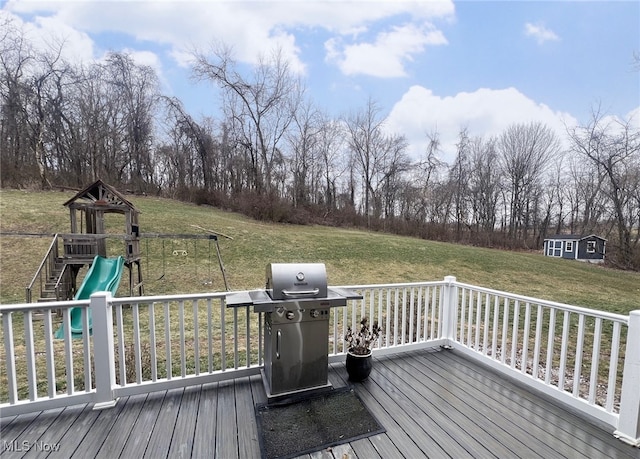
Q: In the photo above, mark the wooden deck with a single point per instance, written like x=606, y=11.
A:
x=432, y=404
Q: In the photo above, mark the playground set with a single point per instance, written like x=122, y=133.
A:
x=85, y=246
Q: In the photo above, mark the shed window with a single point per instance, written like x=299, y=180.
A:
x=557, y=252
x=568, y=247
x=591, y=246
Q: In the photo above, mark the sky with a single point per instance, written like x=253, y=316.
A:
x=432, y=66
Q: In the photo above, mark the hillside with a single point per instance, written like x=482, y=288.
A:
x=351, y=256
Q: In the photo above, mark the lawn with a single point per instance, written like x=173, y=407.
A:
x=176, y=264
x=351, y=256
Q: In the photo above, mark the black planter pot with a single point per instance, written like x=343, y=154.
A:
x=358, y=366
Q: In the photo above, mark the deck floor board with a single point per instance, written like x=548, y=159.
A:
x=431, y=403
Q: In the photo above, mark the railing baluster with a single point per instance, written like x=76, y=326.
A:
x=68, y=351
x=196, y=337
x=434, y=293
x=167, y=340
x=121, y=348
x=345, y=323
x=403, y=337
x=50, y=356
x=525, y=337
x=564, y=349
x=136, y=343
x=470, y=319
x=485, y=337
x=248, y=332
x=395, y=316
x=30, y=356
x=183, y=359
x=425, y=326
x=86, y=345
x=463, y=310
x=505, y=328
x=260, y=336
x=419, y=316
x=209, y=337
x=380, y=313
x=613, y=366
x=550, y=346
x=235, y=338
x=223, y=337
x=514, y=333
x=478, y=325
x=496, y=317
x=536, y=345
x=577, y=371
x=152, y=341
x=387, y=314
x=595, y=361
x=7, y=328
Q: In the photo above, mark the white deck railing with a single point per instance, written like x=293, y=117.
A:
x=586, y=358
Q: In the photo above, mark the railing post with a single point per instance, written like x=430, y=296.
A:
x=629, y=421
x=104, y=360
x=448, y=312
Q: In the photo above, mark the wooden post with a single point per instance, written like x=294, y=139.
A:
x=629, y=422
x=448, y=313
x=103, y=349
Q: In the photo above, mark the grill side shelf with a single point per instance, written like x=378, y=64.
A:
x=252, y=298
x=346, y=293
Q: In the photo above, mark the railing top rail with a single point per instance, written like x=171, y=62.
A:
x=220, y=295
x=163, y=298
x=397, y=285
x=552, y=304
x=212, y=295
x=51, y=305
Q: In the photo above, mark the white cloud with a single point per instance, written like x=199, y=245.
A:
x=484, y=112
x=50, y=35
x=540, y=33
x=634, y=117
x=253, y=28
x=387, y=55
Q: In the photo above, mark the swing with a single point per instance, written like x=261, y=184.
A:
x=163, y=262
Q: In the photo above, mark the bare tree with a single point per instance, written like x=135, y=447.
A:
x=16, y=59
x=304, y=159
x=613, y=146
x=260, y=108
x=484, y=184
x=526, y=150
x=424, y=180
x=378, y=156
x=136, y=88
x=459, y=180
x=330, y=147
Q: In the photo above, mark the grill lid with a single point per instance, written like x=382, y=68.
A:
x=296, y=280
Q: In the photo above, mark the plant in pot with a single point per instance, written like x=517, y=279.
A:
x=359, y=344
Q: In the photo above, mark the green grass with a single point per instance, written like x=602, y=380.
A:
x=351, y=256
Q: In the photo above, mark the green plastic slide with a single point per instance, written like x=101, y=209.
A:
x=103, y=276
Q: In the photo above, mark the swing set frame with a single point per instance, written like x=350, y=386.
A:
x=212, y=238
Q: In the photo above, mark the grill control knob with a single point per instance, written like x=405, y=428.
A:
x=314, y=313
x=290, y=315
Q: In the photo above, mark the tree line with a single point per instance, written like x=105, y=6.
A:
x=275, y=154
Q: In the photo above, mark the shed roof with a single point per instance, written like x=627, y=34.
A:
x=572, y=237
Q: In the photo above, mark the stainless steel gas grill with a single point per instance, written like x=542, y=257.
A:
x=296, y=303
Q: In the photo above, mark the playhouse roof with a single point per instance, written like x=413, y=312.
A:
x=100, y=193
